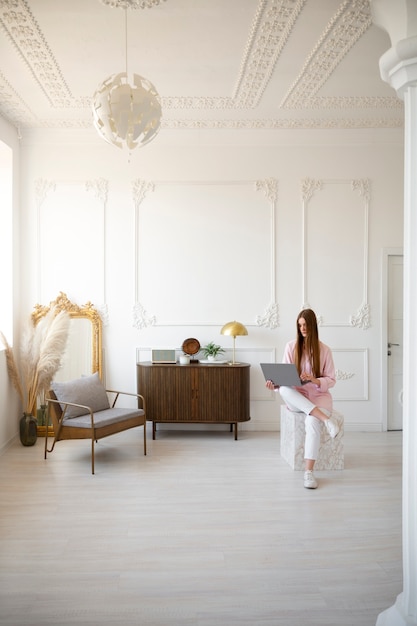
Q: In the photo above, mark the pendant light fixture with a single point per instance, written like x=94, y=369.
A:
x=124, y=114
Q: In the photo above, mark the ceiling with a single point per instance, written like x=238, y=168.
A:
x=217, y=64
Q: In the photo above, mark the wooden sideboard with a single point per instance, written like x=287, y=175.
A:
x=195, y=393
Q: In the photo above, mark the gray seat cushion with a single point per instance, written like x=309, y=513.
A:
x=103, y=418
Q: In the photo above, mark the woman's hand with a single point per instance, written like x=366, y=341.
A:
x=270, y=385
x=309, y=378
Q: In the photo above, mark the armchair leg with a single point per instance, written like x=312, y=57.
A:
x=46, y=441
x=92, y=455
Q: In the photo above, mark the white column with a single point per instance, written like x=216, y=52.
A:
x=399, y=68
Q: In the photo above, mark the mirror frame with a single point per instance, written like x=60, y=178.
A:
x=87, y=311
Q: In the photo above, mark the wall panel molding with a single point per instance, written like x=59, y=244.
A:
x=61, y=207
x=335, y=251
x=351, y=374
x=186, y=220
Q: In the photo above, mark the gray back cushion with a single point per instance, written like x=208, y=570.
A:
x=87, y=390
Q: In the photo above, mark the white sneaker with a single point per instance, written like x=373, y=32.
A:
x=331, y=427
x=309, y=481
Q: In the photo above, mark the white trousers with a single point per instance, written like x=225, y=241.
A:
x=295, y=401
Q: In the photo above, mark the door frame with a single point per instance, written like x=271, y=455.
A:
x=386, y=253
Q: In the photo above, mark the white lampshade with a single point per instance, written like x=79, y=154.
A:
x=126, y=115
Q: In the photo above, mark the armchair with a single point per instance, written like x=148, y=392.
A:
x=80, y=409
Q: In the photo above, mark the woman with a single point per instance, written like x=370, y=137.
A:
x=314, y=363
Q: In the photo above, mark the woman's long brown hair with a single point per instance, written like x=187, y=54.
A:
x=311, y=342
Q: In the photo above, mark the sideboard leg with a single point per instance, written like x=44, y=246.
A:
x=153, y=430
x=235, y=424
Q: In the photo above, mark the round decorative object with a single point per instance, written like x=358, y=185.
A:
x=126, y=115
x=28, y=430
x=191, y=346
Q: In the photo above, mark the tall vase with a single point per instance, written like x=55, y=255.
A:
x=28, y=430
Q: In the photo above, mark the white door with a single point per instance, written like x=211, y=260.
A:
x=395, y=339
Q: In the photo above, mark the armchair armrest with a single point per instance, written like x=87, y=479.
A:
x=126, y=393
x=67, y=404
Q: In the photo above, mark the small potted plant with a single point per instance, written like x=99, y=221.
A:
x=211, y=350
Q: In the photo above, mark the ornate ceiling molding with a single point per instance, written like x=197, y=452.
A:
x=197, y=102
x=335, y=102
x=132, y=4
x=25, y=35
x=273, y=22
x=272, y=25
x=351, y=102
x=282, y=124
x=242, y=124
x=12, y=106
x=350, y=22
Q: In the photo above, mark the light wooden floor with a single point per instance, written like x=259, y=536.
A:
x=204, y=531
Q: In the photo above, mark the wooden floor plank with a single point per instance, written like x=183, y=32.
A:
x=202, y=531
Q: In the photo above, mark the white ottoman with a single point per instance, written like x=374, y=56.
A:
x=331, y=455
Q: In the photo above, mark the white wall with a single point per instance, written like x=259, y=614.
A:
x=9, y=404
x=85, y=230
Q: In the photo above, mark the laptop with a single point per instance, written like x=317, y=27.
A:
x=282, y=374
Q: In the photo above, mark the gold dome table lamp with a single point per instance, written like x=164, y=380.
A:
x=234, y=329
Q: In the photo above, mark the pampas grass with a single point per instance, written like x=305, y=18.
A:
x=12, y=368
x=41, y=353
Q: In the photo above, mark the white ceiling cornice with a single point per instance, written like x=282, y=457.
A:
x=351, y=21
x=268, y=40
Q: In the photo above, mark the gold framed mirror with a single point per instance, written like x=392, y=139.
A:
x=83, y=355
